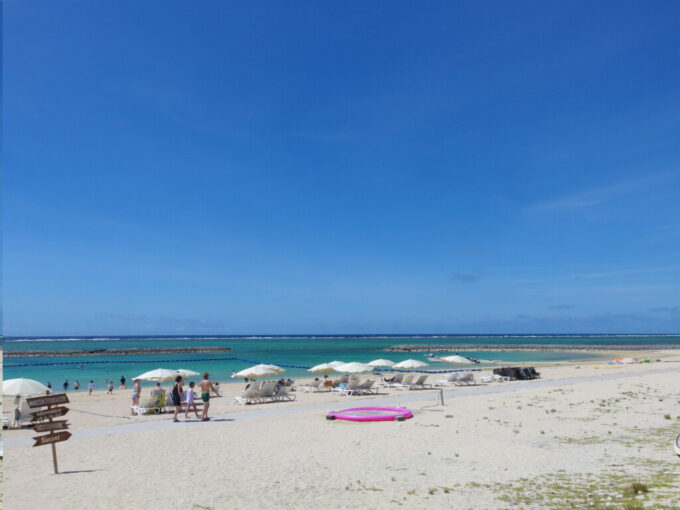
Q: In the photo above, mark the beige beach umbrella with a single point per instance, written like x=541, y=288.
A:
x=410, y=364
x=353, y=368
x=381, y=363
x=276, y=368
x=458, y=360
x=23, y=387
x=323, y=368
x=186, y=372
x=159, y=374
x=259, y=371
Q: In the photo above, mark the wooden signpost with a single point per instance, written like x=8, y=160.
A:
x=56, y=428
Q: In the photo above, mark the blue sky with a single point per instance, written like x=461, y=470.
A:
x=318, y=167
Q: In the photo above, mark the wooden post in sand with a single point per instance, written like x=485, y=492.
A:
x=56, y=428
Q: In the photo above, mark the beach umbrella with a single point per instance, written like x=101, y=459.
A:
x=276, y=368
x=381, y=363
x=353, y=368
x=186, y=373
x=324, y=368
x=259, y=371
x=160, y=375
x=410, y=364
x=23, y=387
x=335, y=363
x=457, y=360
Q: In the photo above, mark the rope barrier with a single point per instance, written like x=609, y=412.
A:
x=105, y=362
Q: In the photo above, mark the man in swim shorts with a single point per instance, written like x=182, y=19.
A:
x=206, y=388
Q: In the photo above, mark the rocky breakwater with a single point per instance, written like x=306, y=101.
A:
x=113, y=352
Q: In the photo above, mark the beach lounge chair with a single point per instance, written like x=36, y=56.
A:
x=351, y=388
x=267, y=391
x=448, y=379
x=420, y=384
x=466, y=378
x=368, y=388
x=312, y=387
x=283, y=393
x=493, y=378
x=394, y=382
x=406, y=382
x=507, y=372
x=248, y=396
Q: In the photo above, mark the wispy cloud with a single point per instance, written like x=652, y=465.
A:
x=671, y=309
x=603, y=194
x=465, y=277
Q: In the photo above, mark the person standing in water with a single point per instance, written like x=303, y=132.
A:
x=206, y=388
x=176, y=395
x=122, y=382
x=76, y=385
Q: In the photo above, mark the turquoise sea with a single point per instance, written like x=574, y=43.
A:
x=296, y=353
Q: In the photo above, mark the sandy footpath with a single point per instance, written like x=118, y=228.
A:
x=579, y=437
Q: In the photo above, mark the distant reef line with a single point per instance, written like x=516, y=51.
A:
x=112, y=352
x=531, y=347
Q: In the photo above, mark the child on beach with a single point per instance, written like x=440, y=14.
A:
x=191, y=394
x=76, y=385
x=90, y=387
x=110, y=389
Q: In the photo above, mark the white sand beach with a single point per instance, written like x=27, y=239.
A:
x=578, y=437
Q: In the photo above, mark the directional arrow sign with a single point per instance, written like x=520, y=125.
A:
x=51, y=438
x=51, y=425
x=49, y=413
x=49, y=400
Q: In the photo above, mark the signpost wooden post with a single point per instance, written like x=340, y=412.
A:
x=56, y=428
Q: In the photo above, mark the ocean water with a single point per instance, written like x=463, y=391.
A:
x=295, y=353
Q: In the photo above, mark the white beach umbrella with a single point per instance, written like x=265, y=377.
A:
x=259, y=371
x=160, y=374
x=23, y=387
x=186, y=373
x=276, y=368
x=457, y=360
x=324, y=368
x=353, y=368
x=381, y=363
x=335, y=363
x=410, y=364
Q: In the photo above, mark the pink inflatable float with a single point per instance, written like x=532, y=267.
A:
x=371, y=414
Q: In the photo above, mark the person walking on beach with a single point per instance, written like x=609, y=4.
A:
x=191, y=395
x=90, y=387
x=136, y=392
x=122, y=382
x=76, y=385
x=176, y=395
x=110, y=389
x=206, y=388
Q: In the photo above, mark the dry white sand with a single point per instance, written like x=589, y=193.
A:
x=576, y=438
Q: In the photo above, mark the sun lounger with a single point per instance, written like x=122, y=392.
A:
x=406, y=382
x=493, y=378
x=268, y=390
x=283, y=393
x=350, y=388
x=367, y=388
x=393, y=381
x=312, y=387
x=248, y=396
x=466, y=378
x=420, y=384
